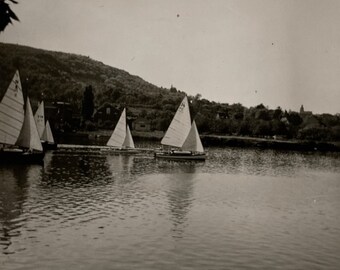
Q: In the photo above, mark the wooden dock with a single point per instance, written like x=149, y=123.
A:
x=79, y=146
x=102, y=148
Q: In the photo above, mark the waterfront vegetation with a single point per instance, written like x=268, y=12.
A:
x=57, y=76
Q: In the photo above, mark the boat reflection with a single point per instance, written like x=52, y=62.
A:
x=180, y=197
x=74, y=170
x=120, y=164
x=14, y=184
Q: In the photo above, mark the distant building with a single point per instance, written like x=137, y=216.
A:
x=106, y=113
x=59, y=114
x=141, y=125
x=303, y=112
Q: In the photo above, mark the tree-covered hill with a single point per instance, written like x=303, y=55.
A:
x=58, y=76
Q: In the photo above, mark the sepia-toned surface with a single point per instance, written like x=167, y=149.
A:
x=240, y=209
x=280, y=53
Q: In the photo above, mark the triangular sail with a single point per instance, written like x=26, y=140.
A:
x=128, y=142
x=179, y=126
x=29, y=137
x=39, y=118
x=12, y=112
x=193, y=142
x=47, y=135
x=118, y=136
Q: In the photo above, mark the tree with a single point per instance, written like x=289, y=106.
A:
x=278, y=127
x=314, y=133
x=278, y=113
x=6, y=14
x=173, y=89
x=260, y=106
x=262, y=114
x=197, y=97
x=245, y=128
x=88, y=104
x=262, y=128
x=294, y=118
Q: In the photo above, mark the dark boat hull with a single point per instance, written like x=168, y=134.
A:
x=49, y=146
x=185, y=156
x=20, y=157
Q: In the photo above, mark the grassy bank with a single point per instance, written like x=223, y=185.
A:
x=297, y=145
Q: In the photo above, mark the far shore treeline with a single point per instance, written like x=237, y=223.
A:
x=88, y=85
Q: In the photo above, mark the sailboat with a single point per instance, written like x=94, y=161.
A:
x=121, y=139
x=18, y=132
x=47, y=138
x=44, y=129
x=183, y=135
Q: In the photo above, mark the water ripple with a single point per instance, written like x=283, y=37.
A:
x=240, y=209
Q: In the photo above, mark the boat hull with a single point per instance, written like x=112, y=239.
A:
x=181, y=156
x=20, y=157
x=49, y=146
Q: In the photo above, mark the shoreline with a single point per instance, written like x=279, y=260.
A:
x=220, y=141
x=264, y=143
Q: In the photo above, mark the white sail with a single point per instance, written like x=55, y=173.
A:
x=179, y=126
x=128, y=142
x=47, y=135
x=39, y=118
x=12, y=112
x=193, y=142
x=118, y=136
x=29, y=137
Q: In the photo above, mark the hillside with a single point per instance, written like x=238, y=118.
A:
x=58, y=76
x=62, y=76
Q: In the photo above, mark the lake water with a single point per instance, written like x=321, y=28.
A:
x=241, y=209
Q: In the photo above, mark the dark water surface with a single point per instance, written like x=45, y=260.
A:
x=241, y=209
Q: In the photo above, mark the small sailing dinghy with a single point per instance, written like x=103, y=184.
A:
x=44, y=129
x=121, y=140
x=12, y=113
x=18, y=132
x=183, y=135
x=28, y=139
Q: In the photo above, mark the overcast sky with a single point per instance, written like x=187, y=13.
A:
x=279, y=53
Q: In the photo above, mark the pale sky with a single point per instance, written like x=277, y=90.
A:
x=276, y=52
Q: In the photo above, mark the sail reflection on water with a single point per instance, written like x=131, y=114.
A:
x=180, y=192
x=65, y=169
x=119, y=164
x=15, y=182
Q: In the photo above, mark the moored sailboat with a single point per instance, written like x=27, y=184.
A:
x=18, y=131
x=47, y=138
x=12, y=113
x=44, y=129
x=183, y=135
x=121, y=139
